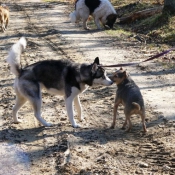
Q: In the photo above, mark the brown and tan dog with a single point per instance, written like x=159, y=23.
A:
x=4, y=17
x=128, y=94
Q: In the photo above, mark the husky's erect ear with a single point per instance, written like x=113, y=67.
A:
x=94, y=68
x=97, y=61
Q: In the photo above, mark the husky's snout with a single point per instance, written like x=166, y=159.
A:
x=108, y=81
x=103, y=81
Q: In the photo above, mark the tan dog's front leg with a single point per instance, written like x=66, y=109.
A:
x=114, y=115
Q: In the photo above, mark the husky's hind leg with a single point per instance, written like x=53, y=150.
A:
x=36, y=103
x=33, y=94
x=20, y=100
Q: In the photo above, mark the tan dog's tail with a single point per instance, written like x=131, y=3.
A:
x=136, y=105
x=14, y=56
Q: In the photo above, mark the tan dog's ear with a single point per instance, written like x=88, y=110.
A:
x=115, y=73
x=125, y=74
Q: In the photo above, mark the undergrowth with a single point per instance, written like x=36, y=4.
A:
x=160, y=28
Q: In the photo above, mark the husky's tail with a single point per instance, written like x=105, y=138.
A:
x=14, y=56
x=73, y=17
x=136, y=105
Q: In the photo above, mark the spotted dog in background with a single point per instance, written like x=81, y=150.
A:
x=101, y=10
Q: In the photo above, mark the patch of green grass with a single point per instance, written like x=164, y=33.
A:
x=118, y=32
x=169, y=37
x=168, y=33
x=162, y=26
x=150, y=22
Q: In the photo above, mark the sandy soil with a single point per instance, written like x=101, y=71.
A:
x=29, y=148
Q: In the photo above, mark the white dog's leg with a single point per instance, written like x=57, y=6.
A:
x=69, y=106
x=84, y=14
x=85, y=24
x=78, y=107
x=97, y=22
x=36, y=103
x=19, y=103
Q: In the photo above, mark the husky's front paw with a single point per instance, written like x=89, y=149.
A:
x=81, y=118
x=76, y=126
x=17, y=121
x=48, y=125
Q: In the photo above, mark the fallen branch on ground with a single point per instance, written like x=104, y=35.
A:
x=140, y=15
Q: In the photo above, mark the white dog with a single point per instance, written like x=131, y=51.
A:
x=101, y=10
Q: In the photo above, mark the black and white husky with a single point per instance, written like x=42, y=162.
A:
x=59, y=77
x=101, y=10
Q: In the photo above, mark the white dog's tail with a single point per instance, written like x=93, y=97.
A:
x=14, y=56
x=73, y=17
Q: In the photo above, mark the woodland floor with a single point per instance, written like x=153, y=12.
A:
x=93, y=149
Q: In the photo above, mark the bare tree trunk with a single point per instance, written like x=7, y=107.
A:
x=169, y=6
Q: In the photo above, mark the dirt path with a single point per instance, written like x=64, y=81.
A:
x=29, y=148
